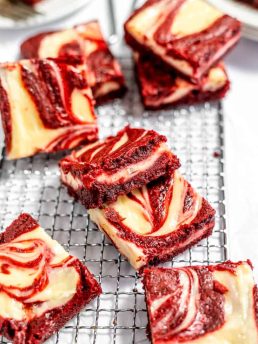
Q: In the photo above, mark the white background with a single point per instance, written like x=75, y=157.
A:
x=241, y=125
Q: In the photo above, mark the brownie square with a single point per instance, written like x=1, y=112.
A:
x=202, y=304
x=46, y=106
x=42, y=286
x=161, y=88
x=100, y=172
x=187, y=35
x=84, y=43
x=156, y=222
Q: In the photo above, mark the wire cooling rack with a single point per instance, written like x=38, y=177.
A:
x=118, y=316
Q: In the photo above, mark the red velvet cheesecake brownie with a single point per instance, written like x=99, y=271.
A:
x=156, y=222
x=100, y=172
x=202, y=304
x=160, y=88
x=42, y=286
x=86, y=43
x=187, y=35
x=46, y=105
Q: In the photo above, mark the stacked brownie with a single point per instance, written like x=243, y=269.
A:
x=135, y=194
x=178, y=46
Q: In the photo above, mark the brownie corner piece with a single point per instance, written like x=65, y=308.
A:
x=155, y=223
x=100, y=172
x=202, y=304
x=187, y=35
x=46, y=106
x=42, y=286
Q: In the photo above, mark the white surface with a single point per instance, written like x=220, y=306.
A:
x=241, y=127
x=243, y=12
x=47, y=11
x=247, y=15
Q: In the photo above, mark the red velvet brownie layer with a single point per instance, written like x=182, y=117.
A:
x=31, y=2
x=41, y=285
x=100, y=172
x=156, y=222
x=160, y=88
x=46, y=105
x=202, y=304
x=85, y=43
x=187, y=35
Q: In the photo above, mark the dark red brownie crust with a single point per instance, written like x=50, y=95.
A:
x=200, y=50
x=30, y=47
x=161, y=82
x=139, y=146
x=5, y=111
x=39, y=329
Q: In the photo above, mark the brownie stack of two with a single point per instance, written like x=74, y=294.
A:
x=178, y=46
x=135, y=194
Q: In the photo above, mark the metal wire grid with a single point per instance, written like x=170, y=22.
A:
x=195, y=133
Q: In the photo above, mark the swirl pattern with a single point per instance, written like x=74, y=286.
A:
x=198, y=304
x=34, y=273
